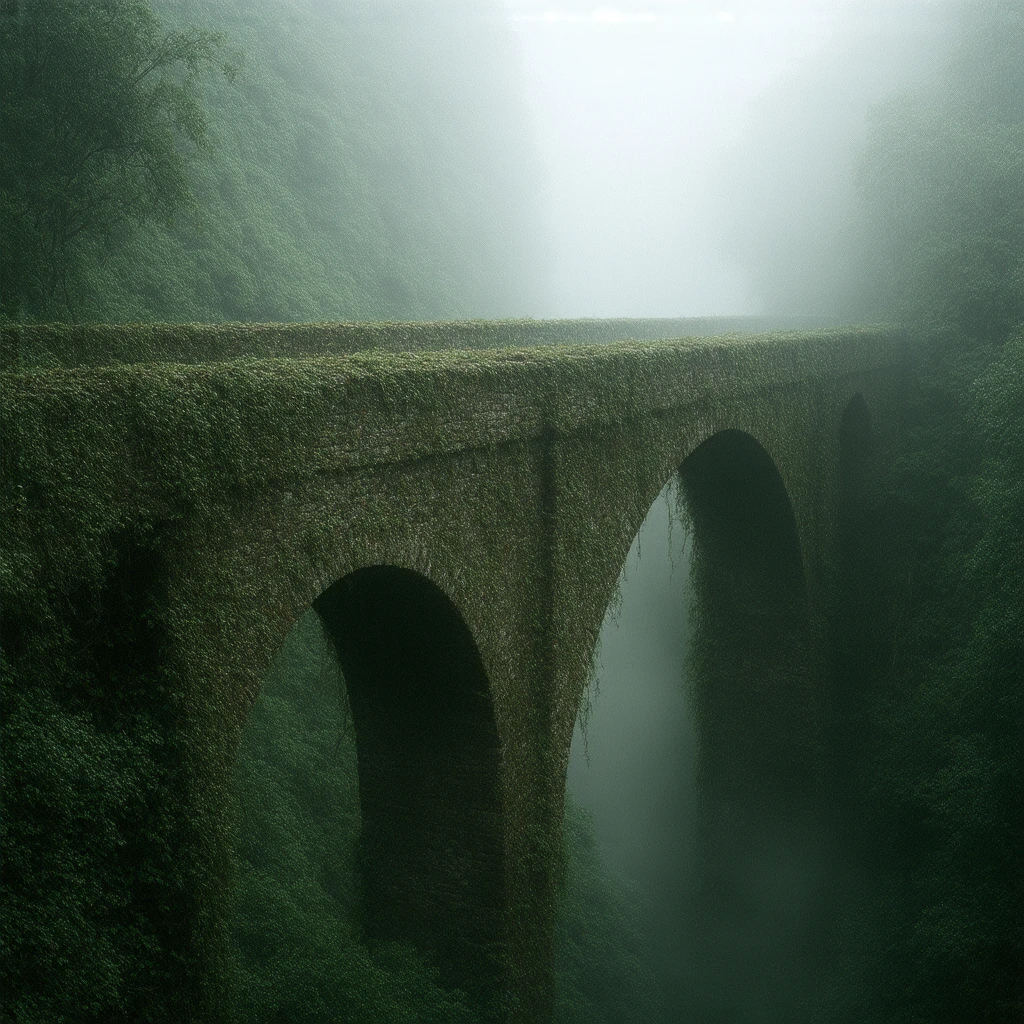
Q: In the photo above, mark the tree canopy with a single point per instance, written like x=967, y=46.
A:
x=100, y=113
x=941, y=186
x=369, y=161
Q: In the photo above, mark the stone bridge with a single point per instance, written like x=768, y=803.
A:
x=458, y=516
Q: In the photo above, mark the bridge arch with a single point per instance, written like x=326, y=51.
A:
x=752, y=635
x=751, y=650
x=753, y=686
x=430, y=847
x=429, y=769
x=734, y=897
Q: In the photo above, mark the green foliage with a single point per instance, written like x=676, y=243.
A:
x=942, y=186
x=953, y=781
x=86, y=777
x=932, y=931
x=94, y=806
x=39, y=346
x=369, y=161
x=100, y=111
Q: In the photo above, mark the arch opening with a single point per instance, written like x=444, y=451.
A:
x=429, y=770
x=751, y=658
x=761, y=860
x=371, y=837
x=704, y=754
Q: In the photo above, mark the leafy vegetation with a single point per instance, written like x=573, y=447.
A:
x=932, y=929
x=100, y=112
x=956, y=707
x=366, y=161
x=603, y=962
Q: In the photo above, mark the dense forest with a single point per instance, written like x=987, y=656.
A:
x=276, y=161
x=286, y=160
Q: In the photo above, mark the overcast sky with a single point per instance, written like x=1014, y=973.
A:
x=635, y=104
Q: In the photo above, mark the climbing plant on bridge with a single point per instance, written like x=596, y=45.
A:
x=110, y=471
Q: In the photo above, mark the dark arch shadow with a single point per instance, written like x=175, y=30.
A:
x=431, y=846
x=753, y=685
x=751, y=648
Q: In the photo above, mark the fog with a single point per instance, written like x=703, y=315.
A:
x=639, y=729
x=633, y=760
x=674, y=135
x=634, y=768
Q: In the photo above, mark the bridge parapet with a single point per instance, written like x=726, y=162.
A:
x=54, y=345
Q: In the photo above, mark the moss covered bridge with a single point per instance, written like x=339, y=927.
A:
x=456, y=502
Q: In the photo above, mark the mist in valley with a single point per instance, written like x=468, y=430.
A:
x=633, y=758
x=694, y=154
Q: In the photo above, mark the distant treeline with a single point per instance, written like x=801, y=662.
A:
x=280, y=160
x=916, y=213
